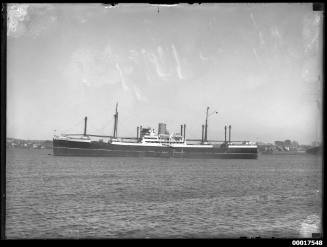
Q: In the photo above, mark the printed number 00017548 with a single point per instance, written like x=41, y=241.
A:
x=307, y=242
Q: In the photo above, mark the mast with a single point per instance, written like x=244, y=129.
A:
x=202, y=136
x=85, y=125
x=206, y=127
x=137, y=133
x=230, y=130
x=225, y=133
x=116, y=122
x=184, y=135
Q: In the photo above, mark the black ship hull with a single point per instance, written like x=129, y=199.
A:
x=98, y=149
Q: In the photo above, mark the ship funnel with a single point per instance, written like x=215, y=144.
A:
x=85, y=125
x=182, y=130
x=230, y=130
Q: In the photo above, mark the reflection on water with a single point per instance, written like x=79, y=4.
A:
x=73, y=197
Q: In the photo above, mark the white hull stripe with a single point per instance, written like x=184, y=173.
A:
x=160, y=145
x=127, y=151
x=242, y=146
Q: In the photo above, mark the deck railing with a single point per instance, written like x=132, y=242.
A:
x=136, y=139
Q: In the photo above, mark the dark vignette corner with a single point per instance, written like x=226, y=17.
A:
x=3, y=116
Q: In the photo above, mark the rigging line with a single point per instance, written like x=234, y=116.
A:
x=122, y=125
x=79, y=123
x=104, y=126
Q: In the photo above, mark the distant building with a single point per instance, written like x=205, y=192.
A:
x=315, y=144
x=279, y=143
x=287, y=143
x=295, y=144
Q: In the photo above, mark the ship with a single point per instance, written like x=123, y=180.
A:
x=151, y=143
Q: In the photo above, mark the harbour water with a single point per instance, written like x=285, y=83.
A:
x=87, y=197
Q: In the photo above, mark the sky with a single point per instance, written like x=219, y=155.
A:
x=258, y=65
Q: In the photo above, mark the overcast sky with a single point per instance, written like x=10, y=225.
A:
x=258, y=65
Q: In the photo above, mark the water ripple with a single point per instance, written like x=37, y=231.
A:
x=72, y=197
